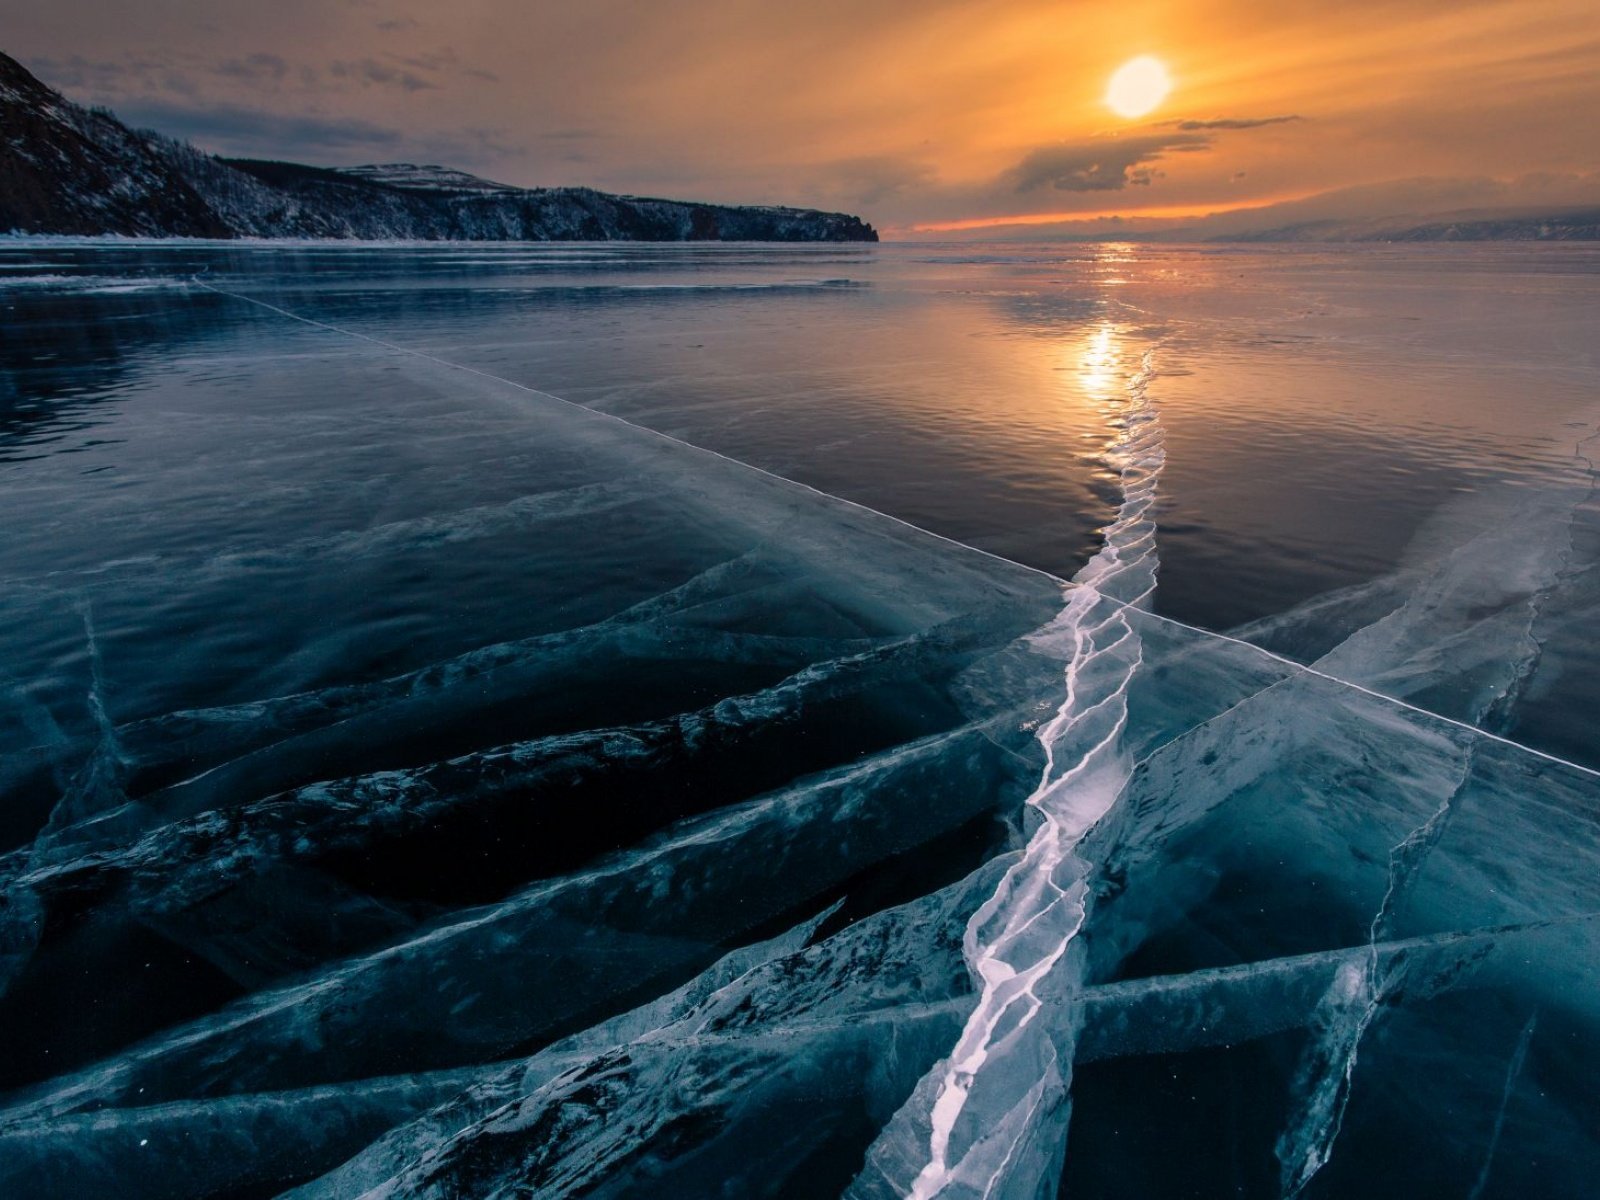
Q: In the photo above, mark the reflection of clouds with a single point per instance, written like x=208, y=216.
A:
x=70, y=357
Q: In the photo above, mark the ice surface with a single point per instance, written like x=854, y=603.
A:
x=769, y=846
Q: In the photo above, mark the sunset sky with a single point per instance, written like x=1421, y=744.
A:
x=921, y=115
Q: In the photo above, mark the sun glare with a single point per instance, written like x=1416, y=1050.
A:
x=1138, y=86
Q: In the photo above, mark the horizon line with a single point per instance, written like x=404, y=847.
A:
x=1153, y=212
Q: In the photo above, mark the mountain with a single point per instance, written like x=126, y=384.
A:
x=1421, y=209
x=1572, y=225
x=65, y=169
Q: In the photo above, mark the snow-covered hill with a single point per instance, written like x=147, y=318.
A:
x=65, y=169
x=426, y=178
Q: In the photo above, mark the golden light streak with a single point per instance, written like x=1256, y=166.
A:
x=1097, y=363
x=1154, y=212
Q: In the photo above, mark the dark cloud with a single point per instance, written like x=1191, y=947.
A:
x=443, y=62
x=111, y=80
x=236, y=131
x=396, y=25
x=249, y=132
x=1235, y=122
x=138, y=78
x=431, y=60
x=370, y=72
x=254, y=68
x=1103, y=165
x=410, y=72
x=75, y=71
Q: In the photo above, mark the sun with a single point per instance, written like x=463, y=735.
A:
x=1138, y=86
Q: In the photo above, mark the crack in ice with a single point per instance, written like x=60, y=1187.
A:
x=1513, y=1069
x=1031, y=902
x=1358, y=991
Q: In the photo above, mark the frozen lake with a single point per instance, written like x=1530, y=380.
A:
x=871, y=721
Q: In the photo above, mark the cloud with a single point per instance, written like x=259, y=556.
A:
x=139, y=79
x=249, y=132
x=409, y=72
x=254, y=68
x=1112, y=164
x=110, y=81
x=369, y=72
x=239, y=132
x=1235, y=122
x=430, y=60
x=1103, y=165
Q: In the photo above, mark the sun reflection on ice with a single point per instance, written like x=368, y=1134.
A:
x=1098, y=372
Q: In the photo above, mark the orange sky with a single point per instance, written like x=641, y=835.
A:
x=918, y=115
x=1161, y=212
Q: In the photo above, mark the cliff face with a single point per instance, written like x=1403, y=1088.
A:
x=65, y=169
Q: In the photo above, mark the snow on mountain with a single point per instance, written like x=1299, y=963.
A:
x=426, y=178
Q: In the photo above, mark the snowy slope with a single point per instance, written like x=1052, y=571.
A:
x=426, y=178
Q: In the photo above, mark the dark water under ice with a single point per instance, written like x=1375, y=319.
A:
x=416, y=781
